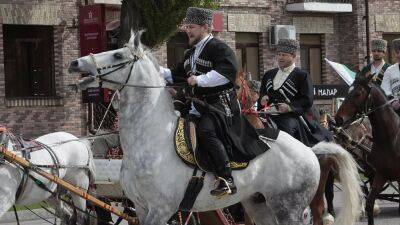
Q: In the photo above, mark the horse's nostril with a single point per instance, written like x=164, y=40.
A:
x=74, y=63
x=339, y=120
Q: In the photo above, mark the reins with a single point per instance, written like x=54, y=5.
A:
x=366, y=111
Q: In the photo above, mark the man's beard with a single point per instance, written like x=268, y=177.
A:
x=378, y=58
x=194, y=42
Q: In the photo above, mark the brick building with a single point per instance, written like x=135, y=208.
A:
x=40, y=38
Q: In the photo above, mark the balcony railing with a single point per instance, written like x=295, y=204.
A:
x=319, y=6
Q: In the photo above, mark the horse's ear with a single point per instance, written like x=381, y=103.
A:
x=136, y=43
x=132, y=38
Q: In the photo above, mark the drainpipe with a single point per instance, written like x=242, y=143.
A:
x=367, y=29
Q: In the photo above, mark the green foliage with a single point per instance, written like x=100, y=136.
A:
x=161, y=18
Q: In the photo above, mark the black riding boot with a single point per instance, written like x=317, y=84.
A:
x=220, y=159
x=226, y=185
x=209, y=141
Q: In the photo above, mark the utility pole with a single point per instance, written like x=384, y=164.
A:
x=367, y=29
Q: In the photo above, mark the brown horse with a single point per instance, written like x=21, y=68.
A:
x=247, y=98
x=369, y=99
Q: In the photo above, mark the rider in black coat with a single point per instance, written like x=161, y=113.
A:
x=290, y=90
x=210, y=67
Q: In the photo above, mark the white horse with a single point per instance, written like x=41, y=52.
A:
x=76, y=166
x=155, y=179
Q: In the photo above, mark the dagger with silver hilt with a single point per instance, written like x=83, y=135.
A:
x=287, y=100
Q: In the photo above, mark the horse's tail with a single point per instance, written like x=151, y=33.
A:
x=350, y=180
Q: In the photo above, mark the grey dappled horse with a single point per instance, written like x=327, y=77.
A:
x=75, y=155
x=155, y=179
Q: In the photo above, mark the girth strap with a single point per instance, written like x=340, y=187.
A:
x=192, y=191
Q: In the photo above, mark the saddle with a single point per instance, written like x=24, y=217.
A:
x=187, y=149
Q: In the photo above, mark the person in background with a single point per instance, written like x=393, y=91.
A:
x=391, y=79
x=290, y=90
x=378, y=65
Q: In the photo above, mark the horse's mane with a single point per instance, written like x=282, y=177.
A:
x=141, y=50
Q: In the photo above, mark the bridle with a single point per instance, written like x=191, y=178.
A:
x=365, y=109
x=101, y=76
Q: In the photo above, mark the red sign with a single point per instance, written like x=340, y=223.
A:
x=217, y=22
x=93, y=38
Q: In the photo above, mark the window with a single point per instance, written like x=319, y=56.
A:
x=28, y=61
x=310, y=56
x=247, y=53
x=390, y=56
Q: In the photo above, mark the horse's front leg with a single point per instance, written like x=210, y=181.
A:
x=376, y=188
x=62, y=210
x=158, y=215
x=7, y=200
x=10, y=179
x=329, y=193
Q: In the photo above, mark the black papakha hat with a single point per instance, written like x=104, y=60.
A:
x=287, y=46
x=199, y=16
x=378, y=45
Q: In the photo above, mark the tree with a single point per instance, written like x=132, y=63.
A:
x=160, y=18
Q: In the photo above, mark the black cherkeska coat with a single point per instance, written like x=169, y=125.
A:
x=298, y=88
x=239, y=137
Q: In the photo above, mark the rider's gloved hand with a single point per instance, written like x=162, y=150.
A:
x=396, y=105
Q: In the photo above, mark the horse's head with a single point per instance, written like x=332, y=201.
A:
x=356, y=102
x=114, y=68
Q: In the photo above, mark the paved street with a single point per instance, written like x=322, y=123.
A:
x=388, y=216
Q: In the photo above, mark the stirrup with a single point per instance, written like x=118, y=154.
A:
x=227, y=192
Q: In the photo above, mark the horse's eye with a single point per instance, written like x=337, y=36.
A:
x=118, y=55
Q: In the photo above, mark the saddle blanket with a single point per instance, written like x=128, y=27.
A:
x=186, y=147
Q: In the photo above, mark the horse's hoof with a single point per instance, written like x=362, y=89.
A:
x=328, y=219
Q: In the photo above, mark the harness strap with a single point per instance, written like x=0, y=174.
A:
x=22, y=184
x=54, y=158
x=16, y=214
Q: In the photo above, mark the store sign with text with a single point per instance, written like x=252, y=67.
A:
x=327, y=91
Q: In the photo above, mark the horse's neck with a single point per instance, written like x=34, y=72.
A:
x=147, y=119
x=384, y=122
